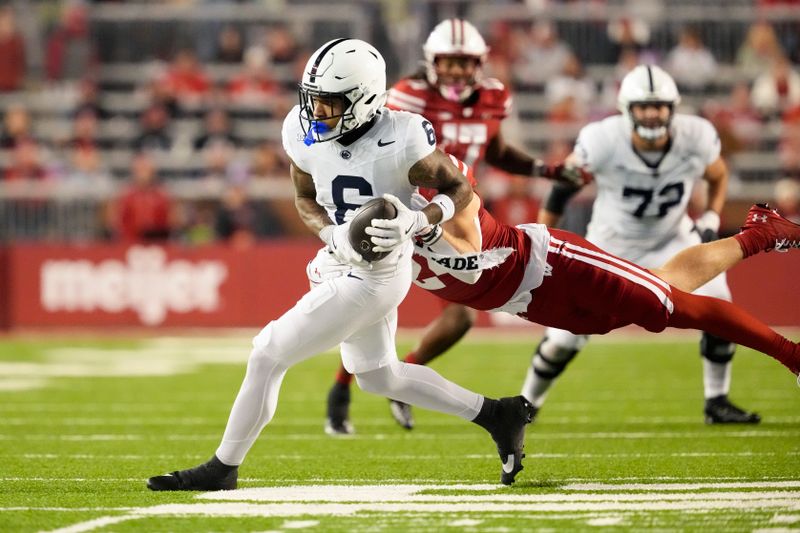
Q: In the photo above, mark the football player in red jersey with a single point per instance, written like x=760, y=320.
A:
x=466, y=110
x=543, y=275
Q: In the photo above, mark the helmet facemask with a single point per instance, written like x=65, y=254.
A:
x=317, y=129
x=460, y=89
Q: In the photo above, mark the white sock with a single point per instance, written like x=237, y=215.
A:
x=536, y=387
x=716, y=378
x=421, y=386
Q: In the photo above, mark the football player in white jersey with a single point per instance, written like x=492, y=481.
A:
x=646, y=162
x=346, y=149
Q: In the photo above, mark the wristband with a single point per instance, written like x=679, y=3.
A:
x=447, y=206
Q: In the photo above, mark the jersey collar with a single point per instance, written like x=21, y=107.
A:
x=352, y=136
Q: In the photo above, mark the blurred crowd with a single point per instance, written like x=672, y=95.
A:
x=207, y=113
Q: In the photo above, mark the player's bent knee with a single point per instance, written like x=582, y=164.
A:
x=267, y=346
x=461, y=316
x=379, y=381
x=552, y=358
x=716, y=349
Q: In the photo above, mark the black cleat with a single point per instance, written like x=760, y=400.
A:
x=212, y=475
x=401, y=412
x=719, y=410
x=507, y=428
x=337, y=421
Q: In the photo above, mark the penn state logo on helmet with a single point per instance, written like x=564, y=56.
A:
x=454, y=38
x=347, y=77
x=648, y=84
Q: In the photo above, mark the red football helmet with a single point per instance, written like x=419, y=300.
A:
x=459, y=43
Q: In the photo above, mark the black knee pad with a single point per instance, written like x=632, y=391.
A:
x=554, y=362
x=716, y=349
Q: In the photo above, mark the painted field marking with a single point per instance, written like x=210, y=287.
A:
x=533, y=436
x=338, y=500
x=684, y=486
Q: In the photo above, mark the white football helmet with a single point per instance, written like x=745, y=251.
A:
x=454, y=37
x=648, y=83
x=349, y=69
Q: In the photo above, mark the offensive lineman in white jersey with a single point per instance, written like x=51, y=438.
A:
x=345, y=149
x=646, y=162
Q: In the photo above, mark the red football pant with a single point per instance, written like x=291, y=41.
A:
x=592, y=292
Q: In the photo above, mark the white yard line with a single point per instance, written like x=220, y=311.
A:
x=97, y=523
x=532, y=436
x=394, y=456
x=683, y=486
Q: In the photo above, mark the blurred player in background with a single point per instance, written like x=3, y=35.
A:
x=646, y=163
x=466, y=110
x=346, y=148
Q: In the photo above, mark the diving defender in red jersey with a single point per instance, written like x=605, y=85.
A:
x=543, y=275
x=466, y=110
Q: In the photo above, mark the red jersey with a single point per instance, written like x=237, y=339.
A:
x=462, y=129
x=497, y=285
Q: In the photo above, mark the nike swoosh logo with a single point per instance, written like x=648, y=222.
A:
x=410, y=228
x=508, y=464
x=381, y=144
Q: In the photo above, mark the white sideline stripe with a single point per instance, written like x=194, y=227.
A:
x=430, y=457
x=69, y=509
x=388, y=494
x=179, y=420
x=684, y=486
x=759, y=434
x=361, y=480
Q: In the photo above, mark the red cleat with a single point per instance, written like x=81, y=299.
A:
x=776, y=232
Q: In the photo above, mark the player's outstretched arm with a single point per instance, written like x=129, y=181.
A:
x=437, y=171
x=515, y=161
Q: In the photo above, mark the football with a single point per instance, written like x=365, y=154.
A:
x=359, y=240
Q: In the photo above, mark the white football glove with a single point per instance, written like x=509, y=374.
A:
x=708, y=226
x=389, y=234
x=325, y=266
x=338, y=241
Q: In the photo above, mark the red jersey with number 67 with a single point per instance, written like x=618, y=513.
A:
x=463, y=129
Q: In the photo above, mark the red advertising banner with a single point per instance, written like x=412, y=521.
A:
x=153, y=286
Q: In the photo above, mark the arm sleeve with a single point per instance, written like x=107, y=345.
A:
x=559, y=196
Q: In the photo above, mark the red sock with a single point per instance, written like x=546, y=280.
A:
x=751, y=242
x=734, y=324
x=343, y=377
x=411, y=358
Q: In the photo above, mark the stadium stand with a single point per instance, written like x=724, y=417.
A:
x=105, y=80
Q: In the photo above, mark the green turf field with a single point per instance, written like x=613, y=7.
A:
x=620, y=444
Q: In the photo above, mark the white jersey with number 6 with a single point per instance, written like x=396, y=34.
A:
x=347, y=176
